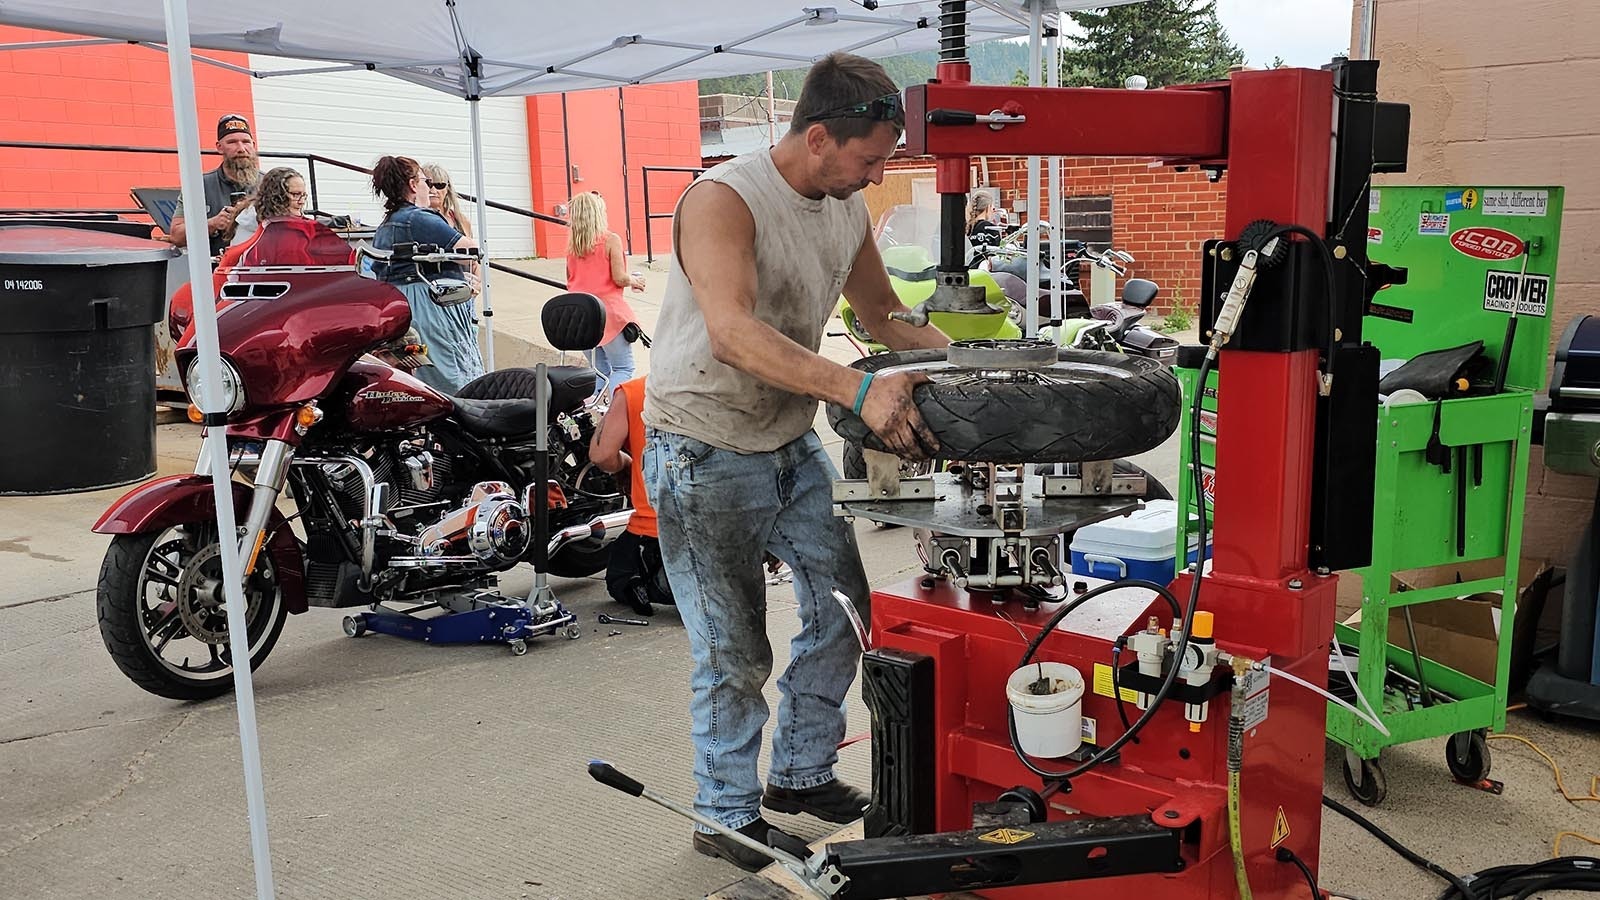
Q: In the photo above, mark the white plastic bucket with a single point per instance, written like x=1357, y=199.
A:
x=1048, y=725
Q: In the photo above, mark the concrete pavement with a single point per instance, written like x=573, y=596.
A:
x=397, y=770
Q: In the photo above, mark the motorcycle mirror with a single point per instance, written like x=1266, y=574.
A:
x=1124, y=255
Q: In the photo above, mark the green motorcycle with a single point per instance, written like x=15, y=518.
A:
x=912, y=272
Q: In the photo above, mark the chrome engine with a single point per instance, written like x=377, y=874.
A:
x=491, y=527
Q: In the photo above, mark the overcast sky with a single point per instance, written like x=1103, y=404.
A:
x=1304, y=32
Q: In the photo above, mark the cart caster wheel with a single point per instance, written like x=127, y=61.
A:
x=1467, y=755
x=519, y=647
x=1365, y=781
x=354, y=627
x=574, y=632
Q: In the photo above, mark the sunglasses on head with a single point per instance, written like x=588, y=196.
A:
x=882, y=109
x=439, y=185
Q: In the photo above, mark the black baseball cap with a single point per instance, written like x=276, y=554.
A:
x=232, y=123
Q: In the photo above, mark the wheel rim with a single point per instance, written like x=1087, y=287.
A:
x=1008, y=362
x=182, y=617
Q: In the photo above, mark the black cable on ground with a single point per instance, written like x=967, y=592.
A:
x=1565, y=873
x=1405, y=852
x=1284, y=854
x=1516, y=882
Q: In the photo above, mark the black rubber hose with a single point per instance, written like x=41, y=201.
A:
x=1178, y=652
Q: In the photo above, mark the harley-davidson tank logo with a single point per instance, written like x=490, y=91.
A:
x=390, y=397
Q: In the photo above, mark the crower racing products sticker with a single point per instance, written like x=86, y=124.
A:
x=1487, y=243
x=1505, y=202
x=1374, y=235
x=1500, y=288
x=1433, y=223
x=1455, y=201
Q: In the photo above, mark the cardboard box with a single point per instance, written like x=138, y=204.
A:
x=1463, y=633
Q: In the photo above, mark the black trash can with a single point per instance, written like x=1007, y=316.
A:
x=77, y=358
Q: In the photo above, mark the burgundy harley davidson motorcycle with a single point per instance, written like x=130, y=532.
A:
x=399, y=494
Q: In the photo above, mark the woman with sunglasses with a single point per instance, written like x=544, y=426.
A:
x=442, y=198
x=448, y=332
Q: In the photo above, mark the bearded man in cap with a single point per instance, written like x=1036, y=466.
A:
x=229, y=187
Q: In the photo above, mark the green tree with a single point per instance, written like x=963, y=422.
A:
x=1166, y=41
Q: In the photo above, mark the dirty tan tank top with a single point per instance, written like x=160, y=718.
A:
x=804, y=250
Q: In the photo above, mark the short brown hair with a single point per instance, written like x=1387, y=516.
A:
x=840, y=80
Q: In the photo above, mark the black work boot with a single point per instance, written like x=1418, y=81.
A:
x=724, y=847
x=833, y=801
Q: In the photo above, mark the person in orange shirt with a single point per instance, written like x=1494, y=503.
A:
x=635, y=575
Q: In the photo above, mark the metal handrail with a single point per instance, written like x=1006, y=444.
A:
x=649, y=248
x=311, y=184
x=311, y=166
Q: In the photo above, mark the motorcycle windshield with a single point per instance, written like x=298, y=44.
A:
x=296, y=313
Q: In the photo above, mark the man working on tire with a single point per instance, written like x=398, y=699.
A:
x=764, y=244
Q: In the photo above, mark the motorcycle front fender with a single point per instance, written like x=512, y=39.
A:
x=180, y=499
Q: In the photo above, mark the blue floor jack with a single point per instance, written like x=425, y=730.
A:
x=486, y=616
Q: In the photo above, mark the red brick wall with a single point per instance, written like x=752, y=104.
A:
x=112, y=94
x=663, y=129
x=1159, y=214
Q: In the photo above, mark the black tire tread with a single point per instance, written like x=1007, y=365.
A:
x=120, y=628
x=1015, y=423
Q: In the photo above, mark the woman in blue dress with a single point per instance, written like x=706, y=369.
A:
x=449, y=332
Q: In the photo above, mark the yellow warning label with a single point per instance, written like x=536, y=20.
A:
x=1005, y=836
x=1102, y=684
x=1280, y=828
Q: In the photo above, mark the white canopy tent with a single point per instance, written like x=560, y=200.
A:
x=474, y=49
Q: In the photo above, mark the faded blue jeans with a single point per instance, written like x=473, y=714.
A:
x=719, y=511
x=614, y=361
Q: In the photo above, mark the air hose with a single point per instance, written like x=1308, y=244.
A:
x=1235, y=765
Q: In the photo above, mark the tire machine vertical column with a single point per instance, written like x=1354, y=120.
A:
x=1294, y=462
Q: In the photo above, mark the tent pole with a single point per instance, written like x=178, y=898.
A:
x=483, y=230
x=1057, y=201
x=185, y=116
x=1036, y=13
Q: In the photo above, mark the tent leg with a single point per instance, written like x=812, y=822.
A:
x=1035, y=210
x=185, y=115
x=483, y=231
x=1057, y=201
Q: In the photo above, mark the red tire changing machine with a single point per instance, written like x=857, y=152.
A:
x=955, y=806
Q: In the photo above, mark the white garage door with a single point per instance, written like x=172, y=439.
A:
x=357, y=117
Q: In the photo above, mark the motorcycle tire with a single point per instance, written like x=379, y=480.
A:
x=1088, y=406
x=117, y=599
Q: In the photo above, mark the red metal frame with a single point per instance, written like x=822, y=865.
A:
x=1272, y=131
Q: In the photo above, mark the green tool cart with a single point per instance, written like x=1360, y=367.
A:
x=1451, y=474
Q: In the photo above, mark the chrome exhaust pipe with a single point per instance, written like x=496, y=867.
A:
x=599, y=526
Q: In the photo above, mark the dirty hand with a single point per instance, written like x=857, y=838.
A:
x=220, y=221
x=891, y=413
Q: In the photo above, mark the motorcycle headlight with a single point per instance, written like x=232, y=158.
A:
x=232, y=386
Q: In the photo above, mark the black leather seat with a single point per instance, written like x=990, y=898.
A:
x=497, y=418
x=569, y=386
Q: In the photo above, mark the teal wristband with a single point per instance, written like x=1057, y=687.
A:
x=861, y=395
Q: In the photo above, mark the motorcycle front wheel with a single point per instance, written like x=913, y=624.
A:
x=162, y=614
